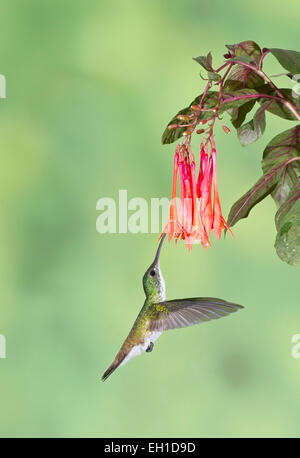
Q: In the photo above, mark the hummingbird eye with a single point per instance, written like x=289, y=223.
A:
x=152, y=273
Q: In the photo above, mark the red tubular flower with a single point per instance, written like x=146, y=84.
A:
x=182, y=187
x=219, y=222
x=173, y=227
x=190, y=202
x=188, y=197
x=198, y=231
x=206, y=214
x=186, y=209
x=198, y=216
x=200, y=176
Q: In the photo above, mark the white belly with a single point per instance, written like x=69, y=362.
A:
x=138, y=349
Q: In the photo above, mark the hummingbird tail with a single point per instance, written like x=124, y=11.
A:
x=109, y=371
x=127, y=352
x=118, y=361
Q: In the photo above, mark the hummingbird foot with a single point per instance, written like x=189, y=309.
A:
x=150, y=347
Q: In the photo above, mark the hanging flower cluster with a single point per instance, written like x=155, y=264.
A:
x=234, y=89
x=199, y=210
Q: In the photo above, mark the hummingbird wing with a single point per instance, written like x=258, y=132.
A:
x=180, y=313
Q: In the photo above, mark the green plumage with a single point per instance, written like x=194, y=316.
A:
x=158, y=315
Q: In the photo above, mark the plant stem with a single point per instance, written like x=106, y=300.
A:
x=293, y=109
x=265, y=52
x=252, y=96
x=289, y=105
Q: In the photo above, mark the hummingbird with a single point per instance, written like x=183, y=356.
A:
x=158, y=315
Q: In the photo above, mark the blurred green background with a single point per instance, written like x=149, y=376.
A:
x=90, y=88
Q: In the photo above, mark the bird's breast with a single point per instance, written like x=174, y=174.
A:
x=151, y=337
x=136, y=350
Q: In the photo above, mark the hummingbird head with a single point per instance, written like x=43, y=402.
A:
x=153, y=281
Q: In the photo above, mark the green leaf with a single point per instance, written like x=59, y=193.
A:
x=260, y=118
x=246, y=59
x=239, y=76
x=284, y=186
x=287, y=221
x=279, y=152
x=242, y=77
x=254, y=129
x=282, y=148
x=235, y=99
x=205, y=61
x=290, y=60
x=238, y=114
x=202, y=61
x=211, y=100
x=214, y=76
x=279, y=109
x=264, y=186
x=233, y=85
x=285, y=208
x=247, y=133
x=246, y=48
x=170, y=136
x=275, y=164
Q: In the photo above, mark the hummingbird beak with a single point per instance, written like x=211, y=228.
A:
x=156, y=259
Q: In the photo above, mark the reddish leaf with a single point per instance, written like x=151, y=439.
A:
x=264, y=186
